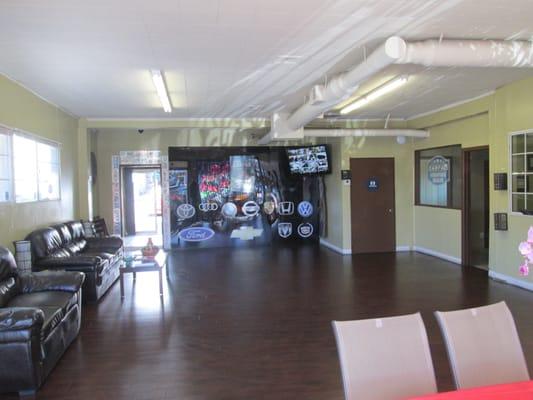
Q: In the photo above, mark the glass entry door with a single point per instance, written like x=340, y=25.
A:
x=141, y=200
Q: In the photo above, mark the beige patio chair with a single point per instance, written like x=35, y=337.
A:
x=483, y=346
x=385, y=358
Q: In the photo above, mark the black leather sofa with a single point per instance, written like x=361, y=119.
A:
x=40, y=316
x=65, y=247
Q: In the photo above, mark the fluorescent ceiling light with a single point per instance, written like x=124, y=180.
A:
x=159, y=84
x=374, y=94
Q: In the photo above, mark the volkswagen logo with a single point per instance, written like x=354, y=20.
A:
x=250, y=209
x=305, y=209
x=229, y=210
x=208, y=207
x=305, y=230
x=186, y=211
x=286, y=208
x=284, y=229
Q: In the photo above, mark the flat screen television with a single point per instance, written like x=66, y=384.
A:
x=309, y=160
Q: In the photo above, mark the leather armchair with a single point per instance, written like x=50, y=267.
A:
x=40, y=316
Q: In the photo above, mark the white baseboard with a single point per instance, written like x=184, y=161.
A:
x=400, y=249
x=511, y=280
x=337, y=249
x=437, y=254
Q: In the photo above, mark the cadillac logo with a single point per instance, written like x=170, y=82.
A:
x=186, y=211
x=305, y=230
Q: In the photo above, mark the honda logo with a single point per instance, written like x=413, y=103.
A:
x=286, y=208
x=284, y=229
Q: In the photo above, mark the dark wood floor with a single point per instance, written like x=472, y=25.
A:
x=255, y=324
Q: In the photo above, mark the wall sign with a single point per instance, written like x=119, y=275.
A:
x=439, y=170
x=372, y=184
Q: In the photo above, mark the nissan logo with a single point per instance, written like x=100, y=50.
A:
x=250, y=208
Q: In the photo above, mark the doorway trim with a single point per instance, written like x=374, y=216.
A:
x=141, y=157
x=465, y=212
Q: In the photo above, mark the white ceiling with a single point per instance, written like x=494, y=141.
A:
x=239, y=58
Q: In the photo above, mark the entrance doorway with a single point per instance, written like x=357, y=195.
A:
x=141, y=205
x=372, y=205
x=476, y=217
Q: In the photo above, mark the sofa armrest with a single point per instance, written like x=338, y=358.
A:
x=78, y=263
x=17, y=324
x=112, y=242
x=63, y=281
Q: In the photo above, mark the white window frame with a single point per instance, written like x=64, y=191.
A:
x=10, y=132
x=10, y=180
x=510, y=172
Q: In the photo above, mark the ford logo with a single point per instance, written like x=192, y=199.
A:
x=196, y=234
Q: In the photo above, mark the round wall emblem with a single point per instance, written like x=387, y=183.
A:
x=229, y=210
x=269, y=207
x=186, y=211
x=305, y=209
x=305, y=230
x=250, y=208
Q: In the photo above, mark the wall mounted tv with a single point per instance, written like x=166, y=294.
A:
x=309, y=160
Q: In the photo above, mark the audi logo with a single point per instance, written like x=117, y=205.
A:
x=208, y=207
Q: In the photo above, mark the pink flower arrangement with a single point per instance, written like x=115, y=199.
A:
x=526, y=250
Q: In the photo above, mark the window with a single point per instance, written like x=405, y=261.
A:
x=36, y=170
x=438, y=177
x=5, y=168
x=521, y=172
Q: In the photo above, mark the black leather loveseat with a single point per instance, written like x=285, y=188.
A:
x=40, y=316
x=65, y=247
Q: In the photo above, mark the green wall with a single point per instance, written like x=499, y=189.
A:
x=23, y=110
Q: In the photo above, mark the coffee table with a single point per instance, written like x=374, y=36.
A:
x=144, y=264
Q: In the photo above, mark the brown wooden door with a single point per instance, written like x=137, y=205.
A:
x=372, y=205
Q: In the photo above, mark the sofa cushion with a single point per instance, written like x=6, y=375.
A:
x=8, y=290
x=76, y=230
x=44, y=242
x=52, y=318
x=77, y=246
x=64, y=233
x=62, y=300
